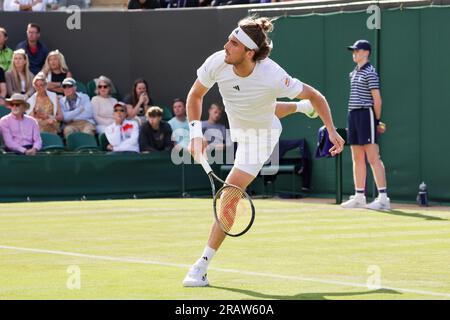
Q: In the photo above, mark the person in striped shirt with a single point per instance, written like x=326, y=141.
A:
x=364, y=114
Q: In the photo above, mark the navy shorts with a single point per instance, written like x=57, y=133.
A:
x=361, y=127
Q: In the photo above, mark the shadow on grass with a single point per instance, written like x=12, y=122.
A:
x=412, y=215
x=306, y=296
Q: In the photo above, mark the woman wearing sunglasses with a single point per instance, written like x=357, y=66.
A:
x=103, y=104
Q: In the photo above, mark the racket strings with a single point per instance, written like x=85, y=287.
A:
x=233, y=210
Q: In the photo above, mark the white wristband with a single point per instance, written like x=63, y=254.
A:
x=195, y=129
x=304, y=106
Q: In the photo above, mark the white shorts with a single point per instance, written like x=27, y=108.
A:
x=256, y=146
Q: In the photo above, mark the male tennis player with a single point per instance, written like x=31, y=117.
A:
x=249, y=83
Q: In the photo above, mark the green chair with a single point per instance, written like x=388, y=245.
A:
x=103, y=141
x=167, y=114
x=82, y=142
x=81, y=87
x=90, y=88
x=4, y=111
x=51, y=143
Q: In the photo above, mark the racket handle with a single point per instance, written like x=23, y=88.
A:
x=205, y=164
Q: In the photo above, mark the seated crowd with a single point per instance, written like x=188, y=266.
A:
x=42, y=94
x=50, y=5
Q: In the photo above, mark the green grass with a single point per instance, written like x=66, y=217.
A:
x=295, y=250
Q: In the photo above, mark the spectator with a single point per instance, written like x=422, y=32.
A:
x=20, y=132
x=183, y=3
x=6, y=53
x=103, y=104
x=19, y=79
x=45, y=106
x=213, y=131
x=2, y=87
x=35, y=50
x=179, y=124
x=77, y=110
x=143, y=4
x=155, y=135
x=56, y=70
x=122, y=134
x=138, y=101
x=24, y=5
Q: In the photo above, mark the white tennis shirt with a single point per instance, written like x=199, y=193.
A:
x=250, y=101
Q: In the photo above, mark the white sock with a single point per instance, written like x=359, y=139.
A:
x=382, y=194
x=207, y=256
x=359, y=193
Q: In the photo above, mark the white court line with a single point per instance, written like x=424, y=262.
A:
x=250, y=273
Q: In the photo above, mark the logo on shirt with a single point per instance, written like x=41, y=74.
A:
x=237, y=88
x=236, y=31
x=127, y=127
x=287, y=82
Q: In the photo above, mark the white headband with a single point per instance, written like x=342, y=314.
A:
x=244, y=38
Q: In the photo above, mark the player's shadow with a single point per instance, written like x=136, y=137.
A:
x=412, y=215
x=306, y=296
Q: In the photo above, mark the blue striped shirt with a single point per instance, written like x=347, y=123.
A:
x=362, y=81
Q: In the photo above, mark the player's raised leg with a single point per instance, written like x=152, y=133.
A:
x=197, y=275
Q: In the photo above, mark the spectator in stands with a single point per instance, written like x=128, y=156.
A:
x=19, y=79
x=20, y=132
x=35, y=50
x=182, y=3
x=138, y=101
x=143, y=4
x=5, y=52
x=24, y=5
x=2, y=87
x=179, y=124
x=56, y=70
x=123, y=134
x=155, y=134
x=77, y=110
x=103, y=104
x=213, y=131
x=45, y=106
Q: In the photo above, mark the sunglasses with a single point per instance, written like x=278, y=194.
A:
x=16, y=104
x=102, y=87
x=67, y=86
x=119, y=110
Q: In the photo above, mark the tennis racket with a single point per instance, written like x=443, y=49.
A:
x=233, y=207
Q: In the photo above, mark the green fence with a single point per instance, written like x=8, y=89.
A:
x=71, y=176
x=411, y=53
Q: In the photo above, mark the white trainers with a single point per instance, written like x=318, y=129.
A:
x=379, y=204
x=196, y=277
x=354, y=202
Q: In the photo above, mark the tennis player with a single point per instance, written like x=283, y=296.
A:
x=249, y=83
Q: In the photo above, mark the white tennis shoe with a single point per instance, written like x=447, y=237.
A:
x=378, y=204
x=354, y=202
x=197, y=276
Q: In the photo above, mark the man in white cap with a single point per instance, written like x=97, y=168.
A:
x=20, y=132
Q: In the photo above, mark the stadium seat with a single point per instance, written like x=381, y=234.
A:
x=4, y=111
x=91, y=87
x=167, y=114
x=82, y=142
x=81, y=87
x=103, y=141
x=51, y=143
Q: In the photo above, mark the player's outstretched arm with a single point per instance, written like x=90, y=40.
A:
x=194, y=104
x=321, y=105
